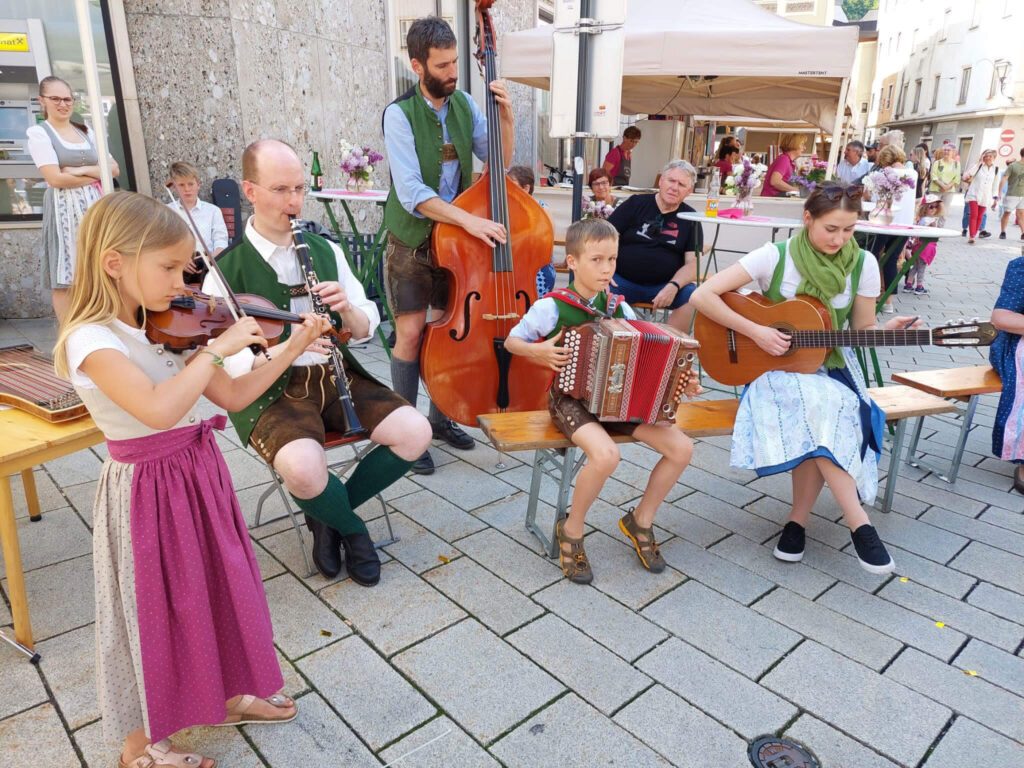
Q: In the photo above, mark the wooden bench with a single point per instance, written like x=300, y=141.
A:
x=556, y=457
x=957, y=384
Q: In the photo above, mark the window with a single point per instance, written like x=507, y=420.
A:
x=398, y=27
x=769, y=5
x=965, y=85
x=946, y=18
x=1008, y=7
x=993, y=87
x=917, y=96
x=888, y=96
x=977, y=11
x=913, y=41
x=899, y=41
x=902, y=106
x=872, y=102
x=935, y=92
x=863, y=107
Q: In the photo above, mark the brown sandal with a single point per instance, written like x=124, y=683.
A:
x=239, y=713
x=643, y=542
x=574, y=562
x=161, y=755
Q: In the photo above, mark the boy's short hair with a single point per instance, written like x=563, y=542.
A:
x=523, y=176
x=183, y=170
x=581, y=233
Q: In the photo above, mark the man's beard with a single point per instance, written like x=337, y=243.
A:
x=436, y=87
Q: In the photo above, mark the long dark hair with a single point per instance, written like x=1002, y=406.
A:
x=50, y=80
x=833, y=196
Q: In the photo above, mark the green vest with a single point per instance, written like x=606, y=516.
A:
x=248, y=272
x=429, y=138
x=570, y=316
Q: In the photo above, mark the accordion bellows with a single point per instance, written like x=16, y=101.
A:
x=627, y=370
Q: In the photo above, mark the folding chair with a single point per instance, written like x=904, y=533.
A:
x=227, y=197
x=340, y=468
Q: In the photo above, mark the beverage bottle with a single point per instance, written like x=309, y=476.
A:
x=316, y=183
x=714, y=191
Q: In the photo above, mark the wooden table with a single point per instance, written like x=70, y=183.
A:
x=27, y=442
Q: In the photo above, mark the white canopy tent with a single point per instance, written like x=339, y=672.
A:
x=728, y=57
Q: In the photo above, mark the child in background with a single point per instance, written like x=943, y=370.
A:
x=591, y=248
x=929, y=213
x=183, y=633
x=207, y=217
x=525, y=179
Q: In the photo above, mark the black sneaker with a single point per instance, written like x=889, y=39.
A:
x=450, y=432
x=983, y=234
x=963, y=233
x=424, y=465
x=873, y=556
x=1002, y=235
x=791, y=543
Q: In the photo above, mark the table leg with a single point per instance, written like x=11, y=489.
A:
x=892, y=251
x=28, y=482
x=12, y=561
x=894, y=464
x=961, y=443
x=712, y=255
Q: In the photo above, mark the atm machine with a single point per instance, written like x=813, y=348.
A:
x=24, y=61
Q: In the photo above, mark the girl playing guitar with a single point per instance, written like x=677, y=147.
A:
x=822, y=426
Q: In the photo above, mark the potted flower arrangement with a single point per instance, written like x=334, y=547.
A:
x=745, y=178
x=809, y=175
x=595, y=209
x=358, y=163
x=886, y=187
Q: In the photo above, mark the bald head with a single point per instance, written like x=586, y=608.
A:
x=267, y=152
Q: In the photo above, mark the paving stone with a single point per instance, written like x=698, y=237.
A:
x=619, y=573
x=20, y=685
x=991, y=564
x=299, y=618
x=75, y=468
x=964, y=742
x=977, y=530
x=509, y=515
x=484, y=456
x=821, y=529
x=710, y=569
x=417, y=548
x=965, y=489
x=50, y=496
x=375, y=701
x=931, y=574
x=919, y=537
x=798, y=577
x=466, y=485
x=60, y=596
x=37, y=737
x=438, y=515
x=438, y=743
x=612, y=491
x=294, y=684
x=1004, y=518
x=839, y=565
x=99, y=752
x=833, y=748
x=942, y=495
x=59, y=536
x=69, y=665
x=979, y=699
x=483, y=595
x=992, y=664
x=896, y=721
x=729, y=516
x=82, y=498
x=674, y=519
x=712, y=687
x=286, y=549
x=730, y=632
x=955, y=613
x=894, y=620
x=273, y=508
x=490, y=689
x=1001, y=602
x=268, y=564
x=399, y=611
x=570, y=732
x=513, y=562
x=316, y=737
x=604, y=619
x=673, y=728
x=595, y=673
x=841, y=634
x=246, y=469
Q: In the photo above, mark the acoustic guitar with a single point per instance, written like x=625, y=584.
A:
x=29, y=383
x=731, y=358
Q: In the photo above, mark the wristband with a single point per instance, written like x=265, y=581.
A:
x=217, y=359
x=677, y=285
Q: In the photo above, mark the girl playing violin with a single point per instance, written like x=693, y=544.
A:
x=183, y=634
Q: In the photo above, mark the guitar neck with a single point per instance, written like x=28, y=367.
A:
x=868, y=338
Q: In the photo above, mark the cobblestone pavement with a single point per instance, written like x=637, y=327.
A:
x=473, y=651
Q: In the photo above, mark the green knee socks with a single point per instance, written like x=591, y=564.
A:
x=375, y=472
x=334, y=508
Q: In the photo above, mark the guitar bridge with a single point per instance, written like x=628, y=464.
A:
x=731, y=335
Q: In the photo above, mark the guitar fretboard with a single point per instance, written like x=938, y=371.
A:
x=868, y=338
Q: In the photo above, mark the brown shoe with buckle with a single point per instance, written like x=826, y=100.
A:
x=572, y=557
x=643, y=542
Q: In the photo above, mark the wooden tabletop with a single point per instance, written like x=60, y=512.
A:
x=29, y=440
x=901, y=402
x=953, y=382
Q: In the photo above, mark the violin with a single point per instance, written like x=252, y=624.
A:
x=194, y=319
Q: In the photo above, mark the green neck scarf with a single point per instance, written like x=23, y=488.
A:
x=824, y=277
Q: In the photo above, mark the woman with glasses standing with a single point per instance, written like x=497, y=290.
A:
x=65, y=153
x=822, y=426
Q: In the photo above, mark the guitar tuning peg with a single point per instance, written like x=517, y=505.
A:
x=975, y=320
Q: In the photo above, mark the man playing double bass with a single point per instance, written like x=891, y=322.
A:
x=431, y=134
x=286, y=425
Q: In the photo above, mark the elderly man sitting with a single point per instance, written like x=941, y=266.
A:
x=853, y=165
x=657, y=261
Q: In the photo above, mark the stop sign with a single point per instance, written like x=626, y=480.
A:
x=1007, y=136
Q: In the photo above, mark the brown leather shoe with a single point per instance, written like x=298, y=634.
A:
x=572, y=557
x=643, y=542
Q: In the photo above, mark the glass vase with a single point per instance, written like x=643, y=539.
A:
x=357, y=184
x=745, y=200
x=882, y=212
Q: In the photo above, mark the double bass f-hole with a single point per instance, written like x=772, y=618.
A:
x=467, y=320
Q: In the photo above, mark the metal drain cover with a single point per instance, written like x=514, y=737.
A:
x=775, y=752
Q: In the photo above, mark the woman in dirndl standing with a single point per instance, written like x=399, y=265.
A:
x=183, y=633
x=1007, y=357
x=65, y=153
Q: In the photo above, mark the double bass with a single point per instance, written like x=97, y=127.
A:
x=463, y=360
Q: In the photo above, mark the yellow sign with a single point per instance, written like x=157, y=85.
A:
x=13, y=41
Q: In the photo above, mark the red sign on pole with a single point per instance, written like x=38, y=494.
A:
x=1007, y=136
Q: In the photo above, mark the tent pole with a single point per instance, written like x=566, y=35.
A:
x=837, y=129
x=92, y=87
x=582, y=109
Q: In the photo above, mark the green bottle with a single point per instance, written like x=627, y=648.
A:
x=318, y=175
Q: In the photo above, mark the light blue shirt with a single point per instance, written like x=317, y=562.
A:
x=405, y=165
x=542, y=317
x=850, y=173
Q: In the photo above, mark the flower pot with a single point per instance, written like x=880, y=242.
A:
x=882, y=212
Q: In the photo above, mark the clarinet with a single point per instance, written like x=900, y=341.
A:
x=350, y=421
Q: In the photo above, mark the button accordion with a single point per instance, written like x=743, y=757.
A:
x=628, y=370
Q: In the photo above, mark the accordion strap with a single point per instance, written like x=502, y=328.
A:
x=573, y=299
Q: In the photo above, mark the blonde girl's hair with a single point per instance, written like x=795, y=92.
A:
x=791, y=141
x=128, y=223
x=891, y=154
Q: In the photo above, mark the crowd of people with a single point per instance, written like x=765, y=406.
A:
x=165, y=496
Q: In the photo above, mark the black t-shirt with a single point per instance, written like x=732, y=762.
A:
x=652, y=244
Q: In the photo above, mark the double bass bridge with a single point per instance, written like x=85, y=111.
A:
x=505, y=316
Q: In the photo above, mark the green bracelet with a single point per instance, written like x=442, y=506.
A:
x=217, y=359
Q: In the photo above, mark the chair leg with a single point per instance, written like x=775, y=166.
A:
x=392, y=538
x=310, y=570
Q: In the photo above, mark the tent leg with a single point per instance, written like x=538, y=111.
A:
x=837, y=129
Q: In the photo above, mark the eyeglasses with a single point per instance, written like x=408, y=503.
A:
x=67, y=100
x=835, y=191
x=283, y=191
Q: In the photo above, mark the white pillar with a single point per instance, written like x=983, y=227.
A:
x=837, y=129
x=92, y=87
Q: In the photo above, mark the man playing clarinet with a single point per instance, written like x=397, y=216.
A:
x=430, y=135
x=287, y=424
